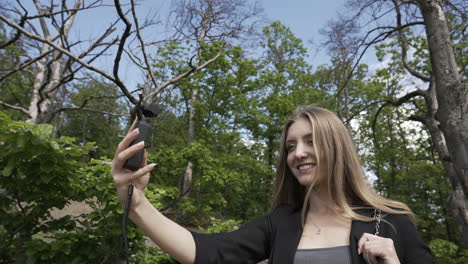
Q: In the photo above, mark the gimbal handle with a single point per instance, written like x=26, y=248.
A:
x=142, y=110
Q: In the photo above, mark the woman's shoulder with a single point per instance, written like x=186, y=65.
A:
x=285, y=208
x=402, y=221
x=284, y=212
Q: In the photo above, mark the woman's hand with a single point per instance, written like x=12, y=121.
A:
x=123, y=177
x=377, y=250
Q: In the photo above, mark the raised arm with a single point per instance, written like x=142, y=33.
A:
x=168, y=235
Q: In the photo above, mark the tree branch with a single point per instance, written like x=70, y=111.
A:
x=404, y=46
x=69, y=54
x=118, y=55
x=183, y=75
x=380, y=37
x=14, y=107
x=66, y=10
x=24, y=65
x=143, y=50
x=91, y=110
x=18, y=33
x=418, y=119
x=396, y=102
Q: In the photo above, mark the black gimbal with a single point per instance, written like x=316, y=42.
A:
x=143, y=110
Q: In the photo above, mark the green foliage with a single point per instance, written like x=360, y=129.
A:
x=95, y=236
x=404, y=168
x=225, y=184
x=86, y=126
x=219, y=226
x=41, y=173
x=14, y=90
x=33, y=165
x=227, y=174
x=152, y=255
x=446, y=252
x=284, y=82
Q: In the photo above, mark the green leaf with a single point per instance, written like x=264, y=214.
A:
x=9, y=168
x=55, y=145
x=21, y=140
x=42, y=129
x=46, y=177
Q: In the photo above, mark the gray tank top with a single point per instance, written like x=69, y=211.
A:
x=335, y=255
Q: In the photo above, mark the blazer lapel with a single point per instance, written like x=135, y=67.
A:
x=295, y=229
x=357, y=229
x=287, y=240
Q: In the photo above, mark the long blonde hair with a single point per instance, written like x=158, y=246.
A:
x=347, y=186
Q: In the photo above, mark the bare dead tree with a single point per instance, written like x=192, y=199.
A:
x=51, y=51
x=446, y=101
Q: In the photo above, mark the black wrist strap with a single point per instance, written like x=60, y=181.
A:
x=123, y=242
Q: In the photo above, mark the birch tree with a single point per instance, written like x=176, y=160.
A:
x=44, y=29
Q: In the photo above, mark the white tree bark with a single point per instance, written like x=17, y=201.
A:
x=44, y=90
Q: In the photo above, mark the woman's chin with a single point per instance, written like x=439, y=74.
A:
x=308, y=180
x=305, y=180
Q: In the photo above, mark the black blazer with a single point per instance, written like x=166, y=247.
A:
x=276, y=237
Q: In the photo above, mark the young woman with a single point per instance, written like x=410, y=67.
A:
x=325, y=211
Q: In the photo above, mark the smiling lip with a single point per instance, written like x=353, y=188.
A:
x=306, y=166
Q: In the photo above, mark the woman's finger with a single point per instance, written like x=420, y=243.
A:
x=374, y=248
x=143, y=171
x=124, y=155
x=132, y=134
x=132, y=126
x=144, y=160
x=129, y=176
x=370, y=258
x=364, y=238
x=127, y=140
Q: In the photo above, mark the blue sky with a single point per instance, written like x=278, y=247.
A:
x=305, y=18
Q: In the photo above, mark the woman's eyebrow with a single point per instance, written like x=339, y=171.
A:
x=291, y=140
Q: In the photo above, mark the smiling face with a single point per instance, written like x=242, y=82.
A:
x=301, y=157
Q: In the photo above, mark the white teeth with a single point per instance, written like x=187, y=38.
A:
x=306, y=166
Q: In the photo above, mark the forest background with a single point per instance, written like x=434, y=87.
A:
x=226, y=79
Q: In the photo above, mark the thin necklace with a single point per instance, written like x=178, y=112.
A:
x=319, y=230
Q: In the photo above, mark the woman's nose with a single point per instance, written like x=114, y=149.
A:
x=301, y=151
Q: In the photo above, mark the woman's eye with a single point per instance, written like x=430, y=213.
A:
x=289, y=148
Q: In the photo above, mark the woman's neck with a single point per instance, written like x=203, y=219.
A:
x=319, y=203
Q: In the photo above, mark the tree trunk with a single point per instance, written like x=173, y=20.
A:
x=187, y=177
x=186, y=180
x=45, y=90
x=21, y=239
x=49, y=75
x=345, y=86
x=452, y=111
x=34, y=109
